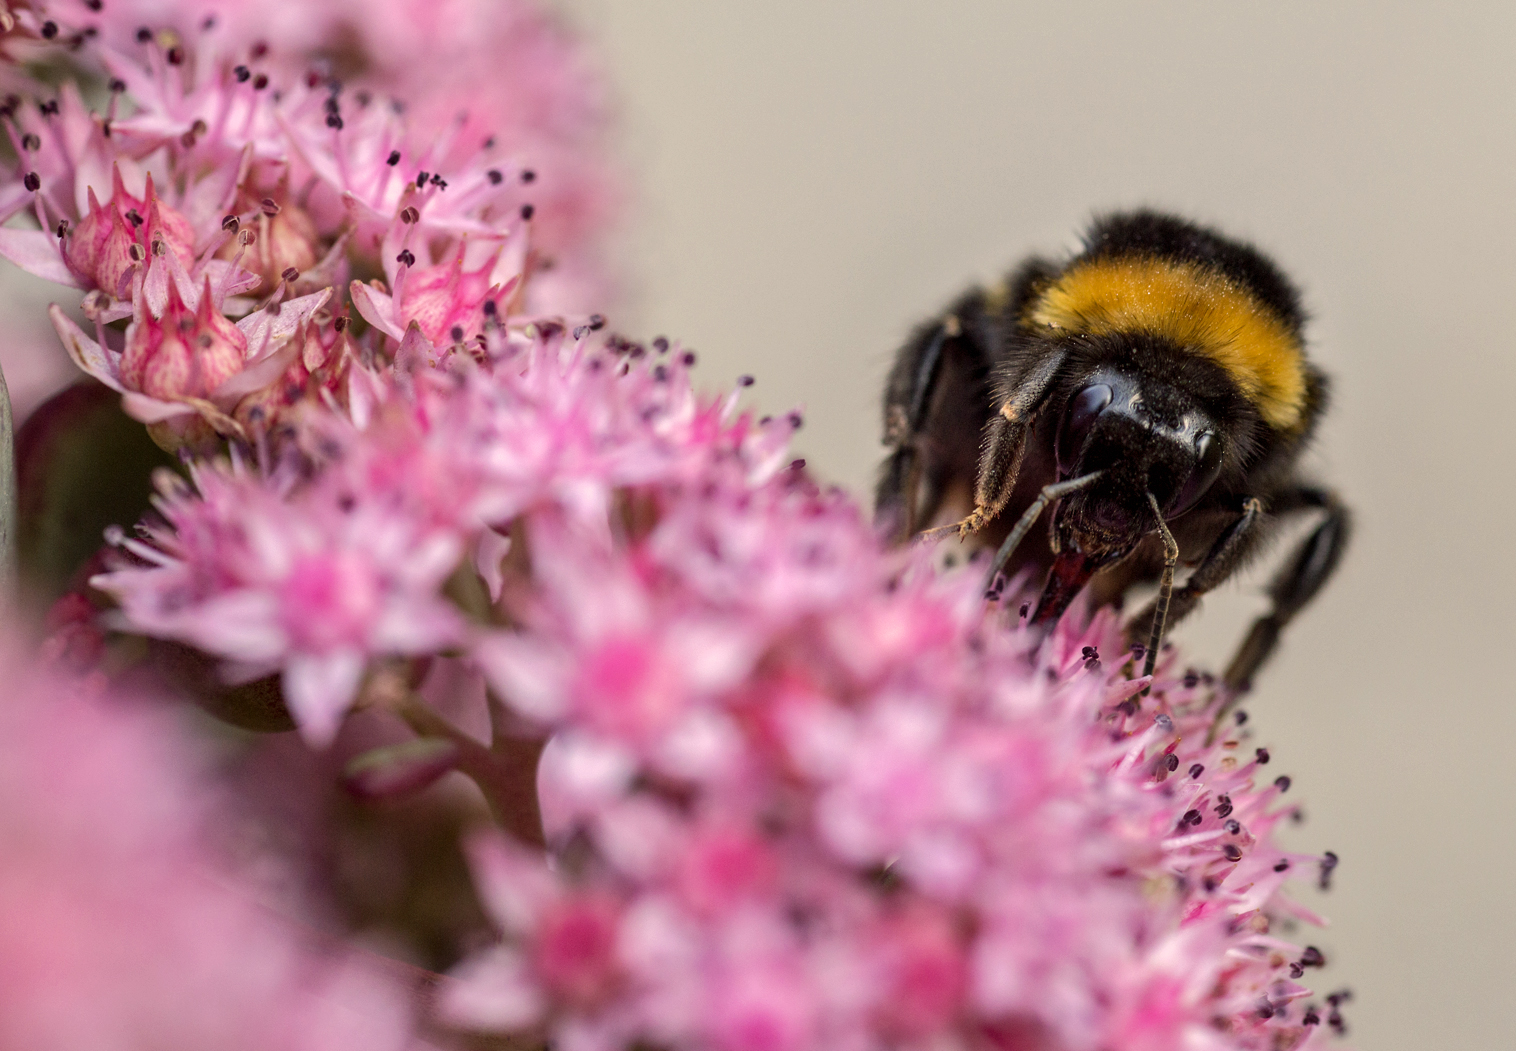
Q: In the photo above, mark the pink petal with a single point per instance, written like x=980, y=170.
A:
x=36, y=252
x=319, y=690
x=87, y=354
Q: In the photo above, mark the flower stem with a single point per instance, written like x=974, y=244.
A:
x=7, y=491
x=506, y=772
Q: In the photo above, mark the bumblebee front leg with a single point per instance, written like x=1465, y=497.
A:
x=1296, y=584
x=1005, y=437
x=1227, y=553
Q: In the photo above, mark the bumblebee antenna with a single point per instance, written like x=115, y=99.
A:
x=1165, y=592
x=1049, y=493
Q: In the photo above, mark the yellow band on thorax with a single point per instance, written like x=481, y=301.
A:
x=1197, y=309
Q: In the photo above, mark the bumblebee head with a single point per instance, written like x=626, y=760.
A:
x=1144, y=437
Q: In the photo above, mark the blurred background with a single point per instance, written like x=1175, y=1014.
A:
x=812, y=177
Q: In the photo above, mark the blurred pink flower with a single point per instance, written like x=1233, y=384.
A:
x=119, y=927
x=933, y=826
x=311, y=586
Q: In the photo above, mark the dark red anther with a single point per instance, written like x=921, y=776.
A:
x=393, y=159
x=457, y=333
x=1328, y=863
x=1197, y=770
x=1232, y=852
x=527, y=211
x=30, y=142
x=494, y=176
x=33, y=181
x=1281, y=866
x=175, y=56
x=260, y=82
x=290, y=274
x=230, y=224
x=406, y=257
x=270, y=207
x=1263, y=756
x=528, y=176
x=1282, y=782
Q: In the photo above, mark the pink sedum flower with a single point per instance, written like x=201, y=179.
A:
x=186, y=353
x=313, y=587
x=111, y=240
x=800, y=791
x=119, y=926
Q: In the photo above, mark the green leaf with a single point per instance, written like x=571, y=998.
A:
x=81, y=465
x=399, y=768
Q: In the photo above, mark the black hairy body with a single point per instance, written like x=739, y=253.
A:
x=1153, y=391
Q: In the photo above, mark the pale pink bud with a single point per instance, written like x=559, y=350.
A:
x=184, y=354
x=100, y=248
x=285, y=237
x=447, y=301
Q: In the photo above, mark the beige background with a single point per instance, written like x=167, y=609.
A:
x=816, y=176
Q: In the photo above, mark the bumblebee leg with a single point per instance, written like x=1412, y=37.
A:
x=1165, y=590
x=1005, y=440
x=1295, y=585
x=909, y=484
x=1229, y=551
x=1029, y=517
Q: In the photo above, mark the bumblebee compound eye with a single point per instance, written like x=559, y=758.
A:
x=1078, y=419
x=1202, y=476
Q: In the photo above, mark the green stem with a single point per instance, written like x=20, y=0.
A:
x=506, y=772
x=7, y=491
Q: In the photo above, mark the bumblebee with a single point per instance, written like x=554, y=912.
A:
x=1155, y=392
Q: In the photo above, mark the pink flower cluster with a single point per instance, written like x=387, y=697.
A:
x=233, y=174
x=337, y=557
x=119, y=926
x=799, y=791
x=812, y=797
